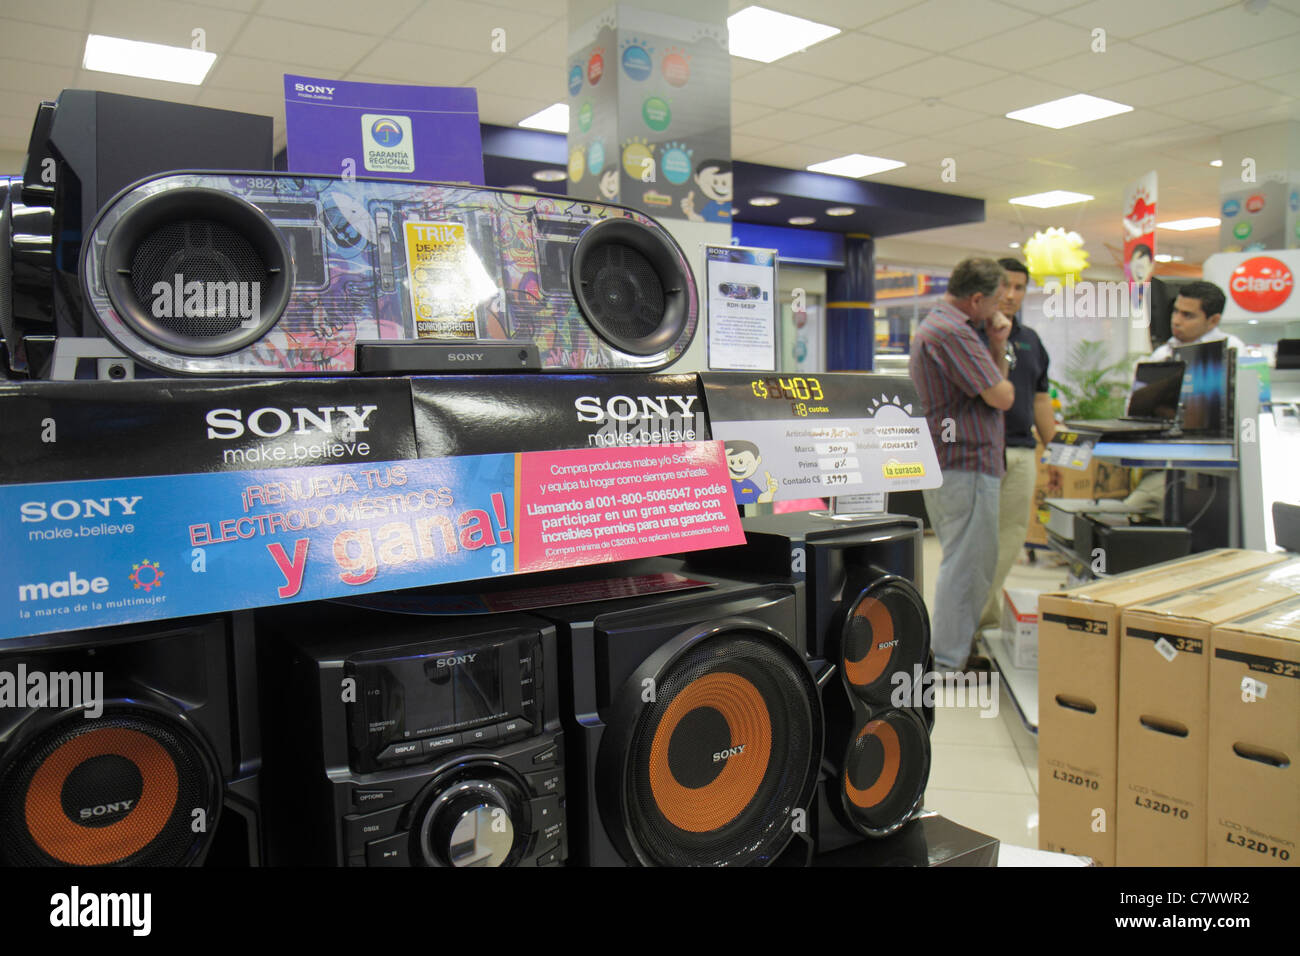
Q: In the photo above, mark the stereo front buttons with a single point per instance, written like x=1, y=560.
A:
x=390, y=851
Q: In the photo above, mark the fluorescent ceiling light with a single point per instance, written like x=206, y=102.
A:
x=1166, y=257
x=1054, y=197
x=1069, y=111
x=855, y=166
x=550, y=175
x=840, y=211
x=1187, y=225
x=553, y=119
x=801, y=220
x=152, y=61
x=1216, y=162
x=764, y=35
x=764, y=201
x=1015, y=245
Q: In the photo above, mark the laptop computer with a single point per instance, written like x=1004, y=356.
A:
x=1153, y=402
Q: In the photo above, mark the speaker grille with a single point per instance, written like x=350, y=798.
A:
x=624, y=293
x=199, y=250
x=117, y=790
x=886, y=631
x=886, y=770
x=724, y=755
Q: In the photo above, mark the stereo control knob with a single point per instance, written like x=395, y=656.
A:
x=470, y=825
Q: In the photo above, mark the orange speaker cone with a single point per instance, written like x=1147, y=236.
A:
x=875, y=794
x=71, y=843
x=708, y=808
x=861, y=673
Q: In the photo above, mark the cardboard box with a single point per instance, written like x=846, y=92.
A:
x=1020, y=625
x=1078, y=693
x=1101, y=479
x=1164, y=675
x=1254, y=759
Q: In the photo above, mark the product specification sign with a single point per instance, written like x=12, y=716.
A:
x=1070, y=450
x=830, y=434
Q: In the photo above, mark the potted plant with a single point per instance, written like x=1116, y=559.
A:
x=1090, y=389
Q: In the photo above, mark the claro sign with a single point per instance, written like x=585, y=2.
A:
x=1261, y=284
x=1258, y=285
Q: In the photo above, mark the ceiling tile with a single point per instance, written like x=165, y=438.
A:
x=551, y=8
x=990, y=132
x=68, y=14
x=938, y=76
x=1045, y=7
x=786, y=125
x=509, y=76
x=1121, y=61
x=748, y=147
x=781, y=88
x=433, y=66
x=468, y=26
x=1130, y=126
x=20, y=110
x=135, y=86
x=505, y=110
x=1038, y=43
x=795, y=155
x=547, y=47
x=921, y=150
x=1245, y=98
x=35, y=43
x=946, y=25
x=857, y=138
x=255, y=76
x=1250, y=120
x=174, y=24
x=1208, y=37
x=370, y=17
x=855, y=103
x=263, y=104
x=45, y=81
x=853, y=57
x=926, y=119
x=1260, y=60
x=1288, y=83
x=1127, y=18
x=1006, y=94
x=336, y=51
x=1183, y=83
x=845, y=14
x=745, y=112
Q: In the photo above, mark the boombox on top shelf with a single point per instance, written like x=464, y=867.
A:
x=270, y=274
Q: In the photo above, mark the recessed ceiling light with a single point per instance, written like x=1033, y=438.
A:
x=1186, y=225
x=550, y=175
x=1054, y=197
x=1216, y=162
x=1069, y=111
x=757, y=33
x=764, y=201
x=1015, y=245
x=840, y=211
x=855, y=166
x=553, y=119
x=801, y=220
x=152, y=61
x=1252, y=321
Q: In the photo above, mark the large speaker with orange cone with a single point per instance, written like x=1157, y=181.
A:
x=864, y=617
x=131, y=746
x=694, y=728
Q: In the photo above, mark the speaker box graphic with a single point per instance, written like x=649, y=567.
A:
x=694, y=727
x=402, y=738
x=270, y=274
x=167, y=774
x=865, y=616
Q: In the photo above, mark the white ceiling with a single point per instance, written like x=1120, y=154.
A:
x=913, y=81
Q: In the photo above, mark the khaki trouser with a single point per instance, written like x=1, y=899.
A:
x=1015, y=504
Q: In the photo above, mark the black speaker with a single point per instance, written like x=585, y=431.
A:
x=866, y=617
x=402, y=738
x=694, y=727
x=131, y=746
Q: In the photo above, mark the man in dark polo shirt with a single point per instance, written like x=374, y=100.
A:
x=962, y=384
x=1032, y=409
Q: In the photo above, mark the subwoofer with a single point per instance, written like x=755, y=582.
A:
x=131, y=746
x=399, y=738
x=694, y=727
x=865, y=616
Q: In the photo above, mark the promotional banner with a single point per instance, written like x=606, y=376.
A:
x=1140, y=228
x=382, y=130
x=741, y=285
x=1257, y=217
x=830, y=434
x=1258, y=285
x=112, y=551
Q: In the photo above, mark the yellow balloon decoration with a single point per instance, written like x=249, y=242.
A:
x=1055, y=253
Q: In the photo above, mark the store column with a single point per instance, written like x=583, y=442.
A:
x=850, y=319
x=1259, y=190
x=649, y=85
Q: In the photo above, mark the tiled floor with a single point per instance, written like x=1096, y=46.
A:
x=984, y=771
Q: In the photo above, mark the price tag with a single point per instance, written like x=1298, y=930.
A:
x=1070, y=450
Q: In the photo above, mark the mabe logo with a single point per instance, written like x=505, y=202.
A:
x=1261, y=284
x=179, y=299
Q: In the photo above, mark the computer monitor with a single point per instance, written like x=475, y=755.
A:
x=1156, y=390
x=1205, y=387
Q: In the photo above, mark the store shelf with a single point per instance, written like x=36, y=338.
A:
x=1021, y=682
x=1202, y=454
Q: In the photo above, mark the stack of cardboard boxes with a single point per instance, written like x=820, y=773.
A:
x=1099, y=480
x=1134, y=721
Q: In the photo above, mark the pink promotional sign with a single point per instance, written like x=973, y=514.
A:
x=595, y=505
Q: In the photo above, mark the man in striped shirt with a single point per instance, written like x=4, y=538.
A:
x=963, y=387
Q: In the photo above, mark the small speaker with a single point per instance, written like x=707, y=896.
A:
x=131, y=746
x=865, y=617
x=694, y=724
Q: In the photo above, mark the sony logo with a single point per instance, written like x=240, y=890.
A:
x=270, y=422
x=886, y=644
x=67, y=509
x=625, y=408
x=729, y=752
x=458, y=659
x=309, y=88
x=465, y=357
x=99, y=811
